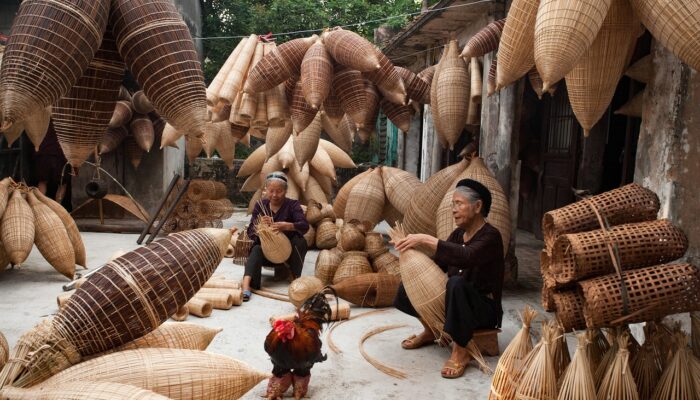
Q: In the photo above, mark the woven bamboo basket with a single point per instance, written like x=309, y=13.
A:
x=199, y=190
x=209, y=376
x=248, y=109
x=332, y=108
x=652, y=292
x=200, y=307
x=327, y=263
x=4, y=350
x=325, y=234
x=581, y=255
x=420, y=215
x=564, y=31
x=485, y=41
x=121, y=115
x=351, y=238
x=275, y=245
x=374, y=244
x=157, y=47
x=175, y=336
x=306, y=142
x=81, y=391
x=141, y=128
x=310, y=237
x=628, y=204
x=388, y=80
x=71, y=228
x=40, y=65
x=516, y=54
x=253, y=163
x=371, y=106
x=133, y=152
x=425, y=284
x=369, y=290
x=314, y=192
x=569, y=305
x=633, y=108
x=416, y=88
x=400, y=186
x=675, y=24
x=351, y=50
x=17, y=230
x=36, y=125
x=399, y=115
x=322, y=162
x=51, y=238
x=127, y=298
x=366, y=199
x=391, y=215
x=242, y=249
x=169, y=136
x=302, y=113
x=316, y=74
x=313, y=212
x=453, y=92
x=642, y=70
x=339, y=157
x=277, y=107
x=341, y=197
x=353, y=263
x=327, y=185
x=427, y=74
x=387, y=262
x=279, y=65
x=350, y=88
x=287, y=157
x=277, y=138
x=592, y=82
x=302, y=288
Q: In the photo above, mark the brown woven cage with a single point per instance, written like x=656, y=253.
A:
x=301, y=112
x=399, y=115
x=242, y=248
x=388, y=80
x=630, y=203
x=157, y=47
x=350, y=89
x=484, y=41
x=316, y=74
x=399, y=186
x=17, y=229
x=547, y=295
x=366, y=199
x=453, y=93
x=39, y=64
x=569, y=309
x=371, y=106
x=417, y=89
x=516, y=54
x=369, y=290
x=353, y=263
x=581, y=255
x=325, y=234
x=279, y=65
x=350, y=49
x=68, y=222
x=651, y=293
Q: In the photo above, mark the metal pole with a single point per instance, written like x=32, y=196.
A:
x=169, y=190
x=170, y=210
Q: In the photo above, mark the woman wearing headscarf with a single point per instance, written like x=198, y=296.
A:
x=472, y=258
x=283, y=214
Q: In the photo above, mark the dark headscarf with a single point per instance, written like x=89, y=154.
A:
x=481, y=190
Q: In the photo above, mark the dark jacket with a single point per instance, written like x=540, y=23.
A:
x=289, y=212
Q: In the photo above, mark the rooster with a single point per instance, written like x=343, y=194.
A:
x=295, y=346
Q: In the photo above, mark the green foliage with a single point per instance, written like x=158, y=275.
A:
x=243, y=17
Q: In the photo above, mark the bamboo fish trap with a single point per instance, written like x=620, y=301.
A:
x=388, y=80
x=353, y=263
x=175, y=336
x=485, y=41
x=18, y=229
x=350, y=49
x=350, y=89
x=279, y=65
x=369, y=290
x=618, y=382
x=577, y=383
x=538, y=380
x=366, y=199
x=453, y=93
x=275, y=245
x=71, y=228
x=316, y=74
x=417, y=89
x=124, y=300
x=400, y=187
x=327, y=263
x=81, y=391
x=516, y=53
x=51, y=238
x=302, y=288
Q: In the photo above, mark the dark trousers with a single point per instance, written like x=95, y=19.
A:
x=256, y=260
x=466, y=309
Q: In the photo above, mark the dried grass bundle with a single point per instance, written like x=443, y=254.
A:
x=538, y=382
x=618, y=383
x=677, y=381
x=510, y=364
x=560, y=351
x=577, y=383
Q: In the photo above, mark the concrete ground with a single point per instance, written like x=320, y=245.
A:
x=28, y=295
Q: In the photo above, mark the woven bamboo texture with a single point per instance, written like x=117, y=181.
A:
x=420, y=216
x=141, y=103
x=351, y=238
x=538, y=380
x=633, y=108
x=339, y=157
x=314, y=192
x=374, y=244
x=676, y=24
x=332, y=108
x=13, y=133
x=366, y=199
x=323, y=163
x=231, y=86
x=40, y=65
x=218, y=299
x=351, y=50
x=306, y=142
x=485, y=41
x=387, y=262
x=353, y=263
x=201, y=190
x=453, y=92
x=434, y=106
x=5, y=192
x=371, y=106
x=327, y=185
x=582, y=255
x=577, y=382
x=327, y=263
x=399, y=187
x=343, y=194
x=536, y=82
x=563, y=33
x=200, y=307
x=617, y=382
x=316, y=74
x=491, y=78
x=4, y=350
x=277, y=137
x=475, y=89
x=516, y=54
x=399, y=115
x=653, y=292
x=302, y=288
x=416, y=88
x=17, y=230
x=175, y=336
x=391, y=215
x=310, y=237
x=642, y=70
x=242, y=249
x=628, y=204
x=156, y=45
x=279, y=65
x=369, y=290
x=51, y=238
x=592, y=82
x=36, y=125
x=569, y=306
x=253, y=163
x=174, y=373
x=248, y=108
x=141, y=128
x=81, y=391
x=71, y=228
x=388, y=80
x=133, y=152
x=427, y=74
x=277, y=107
x=220, y=78
x=302, y=113
x=122, y=114
x=350, y=89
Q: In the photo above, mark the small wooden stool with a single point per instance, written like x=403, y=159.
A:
x=487, y=341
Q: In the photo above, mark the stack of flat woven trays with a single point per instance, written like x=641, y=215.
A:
x=607, y=262
x=204, y=206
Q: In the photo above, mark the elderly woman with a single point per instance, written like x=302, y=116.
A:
x=284, y=215
x=472, y=257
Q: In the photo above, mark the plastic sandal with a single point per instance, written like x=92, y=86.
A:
x=246, y=295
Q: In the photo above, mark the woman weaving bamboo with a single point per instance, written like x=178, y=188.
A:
x=284, y=215
x=472, y=257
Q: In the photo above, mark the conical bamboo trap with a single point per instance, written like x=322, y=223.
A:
x=485, y=41
x=306, y=142
x=369, y=290
x=577, y=383
x=516, y=53
x=642, y=70
x=618, y=382
x=18, y=228
x=51, y=237
x=400, y=187
x=366, y=199
x=175, y=336
x=71, y=228
x=316, y=74
x=350, y=49
x=417, y=89
x=279, y=65
x=388, y=80
x=350, y=89
x=453, y=92
x=36, y=126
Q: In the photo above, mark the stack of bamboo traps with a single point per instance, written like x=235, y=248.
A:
x=29, y=218
x=607, y=262
x=205, y=205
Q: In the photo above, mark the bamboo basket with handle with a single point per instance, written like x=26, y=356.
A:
x=17, y=230
x=369, y=290
x=302, y=288
x=399, y=187
x=71, y=228
x=353, y=263
x=578, y=256
x=127, y=298
x=142, y=130
x=81, y=391
x=592, y=81
x=316, y=74
x=40, y=65
x=350, y=88
x=279, y=65
x=235, y=77
x=516, y=54
x=36, y=125
x=306, y=142
x=628, y=204
x=156, y=45
x=388, y=80
x=331, y=106
x=417, y=89
x=51, y=237
x=485, y=41
x=399, y=115
x=302, y=113
x=453, y=93
x=343, y=194
x=366, y=199
x=351, y=50
x=208, y=376
x=327, y=263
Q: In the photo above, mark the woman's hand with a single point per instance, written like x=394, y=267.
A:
x=416, y=239
x=282, y=226
x=266, y=220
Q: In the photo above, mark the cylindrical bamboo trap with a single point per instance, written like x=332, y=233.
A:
x=302, y=288
x=350, y=89
x=201, y=190
x=369, y=290
x=81, y=391
x=350, y=49
x=221, y=284
x=316, y=74
x=577, y=256
x=327, y=263
x=353, y=263
x=219, y=300
x=400, y=186
x=181, y=314
x=569, y=305
x=199, y=307
x=220, y=78
x=388, y=80
x=453, y=93
x=484, y=41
